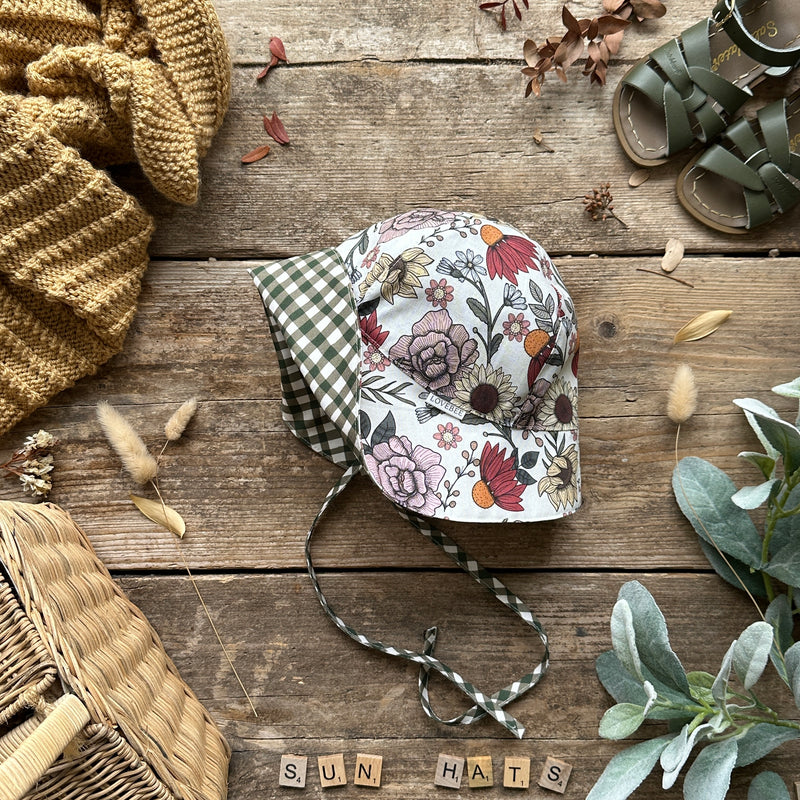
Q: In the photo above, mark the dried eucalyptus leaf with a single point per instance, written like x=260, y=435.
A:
x=638, y=177
x=161, y=514
x=626, y=771
x=768, y=784
x=709, y=777
x=701, y=326
x=751, y=652
x=673, y=255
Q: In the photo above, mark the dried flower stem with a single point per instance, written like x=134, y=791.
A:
x=676, y=408
x=33, y=463
x=600, y=204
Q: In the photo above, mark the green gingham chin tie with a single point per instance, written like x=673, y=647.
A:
x=315, y=330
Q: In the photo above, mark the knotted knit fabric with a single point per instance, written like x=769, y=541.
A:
x=85, y=84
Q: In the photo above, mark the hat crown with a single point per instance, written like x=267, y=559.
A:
x=473, y=311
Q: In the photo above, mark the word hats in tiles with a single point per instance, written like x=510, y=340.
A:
x=436, y=352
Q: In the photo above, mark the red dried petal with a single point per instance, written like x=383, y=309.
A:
x=255, y=155
x=277, y=49
x=263, y=73
x=275, y=128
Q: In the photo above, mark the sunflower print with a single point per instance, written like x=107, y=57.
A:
x=558, y=411
x=486, y=391
x=400, y=276
x=560, y=484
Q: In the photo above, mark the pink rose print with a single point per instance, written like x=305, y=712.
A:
x=516, y=328
x=447, y=436
x=436, y=353
x=412, y=221
x=440, y=294
x=407, y=475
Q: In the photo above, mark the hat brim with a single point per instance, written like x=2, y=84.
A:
x=439, y=463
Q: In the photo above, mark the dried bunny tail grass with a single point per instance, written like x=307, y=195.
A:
x=127, y=444
x=682, y=399
x=177, y=423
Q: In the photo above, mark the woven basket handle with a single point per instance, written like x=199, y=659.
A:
x=20, y=772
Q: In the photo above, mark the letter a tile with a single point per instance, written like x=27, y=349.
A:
x=479, y=772
x=368, y=770
x=293, y=771
x=449, y=770
x=331, y=770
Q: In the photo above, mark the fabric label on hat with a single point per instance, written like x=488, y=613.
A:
x=445, y=405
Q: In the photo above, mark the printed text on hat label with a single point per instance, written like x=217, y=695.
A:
x=445, y=405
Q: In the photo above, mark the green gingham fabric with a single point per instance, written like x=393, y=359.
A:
x=315, y=331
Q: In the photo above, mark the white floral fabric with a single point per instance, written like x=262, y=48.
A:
x=469, y=361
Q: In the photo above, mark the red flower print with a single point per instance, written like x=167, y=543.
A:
x=498, y=484
x=375, y=360
x=447, y=436
x=507, y=255
x=371, y=332
x=516, y=328
x=440, y=294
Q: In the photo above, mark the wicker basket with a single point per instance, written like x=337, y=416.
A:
x=91, y=707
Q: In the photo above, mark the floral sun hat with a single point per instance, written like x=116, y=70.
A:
x=436, y=352
x=468, y=407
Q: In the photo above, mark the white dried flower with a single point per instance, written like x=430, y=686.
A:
x=41, y=440
x=36, y=486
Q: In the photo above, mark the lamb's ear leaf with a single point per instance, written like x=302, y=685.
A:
x=751, y=652
x=704, y=495
x=709, y=777
x=768, y=784
x=760, y=740
x=627, y=769
x=652, y=638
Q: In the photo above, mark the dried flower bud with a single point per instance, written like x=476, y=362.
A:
x=682, y=399
x=177, y=423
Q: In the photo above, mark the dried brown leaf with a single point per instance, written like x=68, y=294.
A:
x=256, y=155
x=638, y=177
x=274, y=127
x=613, y=41
x=608, y=24
x=648, y=9
x=570, y=23
x=161, y=514
x=702, y=325
x=277, y=49
x=530, y=52
x=673, y=255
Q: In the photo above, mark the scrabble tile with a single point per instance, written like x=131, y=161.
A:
x=331, y=770
x=555, y=775
x=517, y=773
x=449, y=770
x=368, y=770
x=293, y=771
x=479, y=771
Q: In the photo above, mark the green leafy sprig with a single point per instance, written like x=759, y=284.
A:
x=718, y=714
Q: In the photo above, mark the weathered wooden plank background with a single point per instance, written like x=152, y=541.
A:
x=392, y=105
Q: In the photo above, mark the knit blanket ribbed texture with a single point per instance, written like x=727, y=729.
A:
x=86, y=84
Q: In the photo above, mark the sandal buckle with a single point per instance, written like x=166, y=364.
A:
x=729, y=4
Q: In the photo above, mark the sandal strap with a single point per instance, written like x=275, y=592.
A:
x=767, y=170
x=727, y=14
x=687, y=87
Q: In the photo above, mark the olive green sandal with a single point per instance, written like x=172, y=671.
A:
x=688, y=89
x=751, y=176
